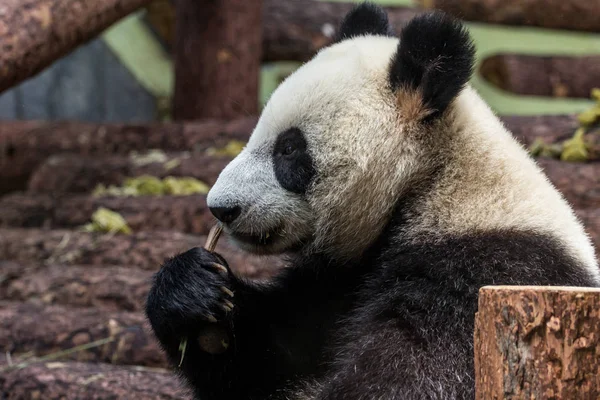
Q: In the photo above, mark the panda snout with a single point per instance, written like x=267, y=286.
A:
x=226, y=214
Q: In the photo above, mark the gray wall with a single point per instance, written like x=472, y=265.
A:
x=89, y=85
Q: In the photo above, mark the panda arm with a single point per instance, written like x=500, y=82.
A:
x=277, y=331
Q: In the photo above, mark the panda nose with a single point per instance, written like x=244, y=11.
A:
x=226, y=214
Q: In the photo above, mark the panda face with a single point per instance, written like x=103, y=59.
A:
x=313, y=151
x=340, y=140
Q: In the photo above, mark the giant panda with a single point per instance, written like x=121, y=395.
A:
x=395, y=193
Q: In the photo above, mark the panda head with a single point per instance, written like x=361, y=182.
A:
x=342, y=139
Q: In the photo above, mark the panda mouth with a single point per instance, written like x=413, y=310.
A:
x=262, y=239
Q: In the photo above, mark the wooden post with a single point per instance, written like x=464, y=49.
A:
x=217, y=58
x=537, y=343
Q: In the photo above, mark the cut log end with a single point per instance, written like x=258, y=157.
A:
x=537, y=342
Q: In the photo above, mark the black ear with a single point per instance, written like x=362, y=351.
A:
x=365, y=19
x=435, y=56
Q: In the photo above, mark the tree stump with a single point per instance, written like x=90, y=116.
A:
x=537, y=343
x=217, y=58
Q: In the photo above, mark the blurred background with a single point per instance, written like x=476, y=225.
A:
x=116, y=116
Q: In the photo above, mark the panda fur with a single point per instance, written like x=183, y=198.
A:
x=395, y=193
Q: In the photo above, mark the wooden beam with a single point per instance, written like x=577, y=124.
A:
x=296, y=30
x=35, y=33
x=537, y=343
x=580, y=15
x=543, y=76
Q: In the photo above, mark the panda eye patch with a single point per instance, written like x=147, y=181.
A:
x=292, y=163
x=290, y=142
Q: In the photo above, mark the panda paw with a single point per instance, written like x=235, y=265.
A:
x=191, y=290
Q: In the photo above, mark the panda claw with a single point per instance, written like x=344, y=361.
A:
x=226, y=307
x=228, y=304
x=211, y=318
x=226, y=291
x=219, y=268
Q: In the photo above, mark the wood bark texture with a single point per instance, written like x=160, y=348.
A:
x=543, y=76
x=537, y=343
x=217, y=58
x=25, y=144
x=35, y=248
x=34, y=33
x=77, y=381
x=70, y=173
x=580, y=15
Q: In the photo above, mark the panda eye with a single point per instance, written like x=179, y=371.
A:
x=289, y=150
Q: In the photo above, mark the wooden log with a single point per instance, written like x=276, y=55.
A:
x=537, y=343
x=543, y=76
x=217, y=58
x=297, y=30
x=25, y=144
x=75, y=381
x=70, y=173
x=142, y=250
x=34, y=33
x=580, y=15
x=107, y=288
x=117, y=337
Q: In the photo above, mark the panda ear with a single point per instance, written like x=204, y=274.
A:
x=364, y=19
x=433, y=63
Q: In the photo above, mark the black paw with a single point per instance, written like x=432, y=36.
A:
x=190, y=291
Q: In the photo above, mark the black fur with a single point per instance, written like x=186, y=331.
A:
x=396, y=325
x=293, y=164
x=364, y=19
x=435, y=56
